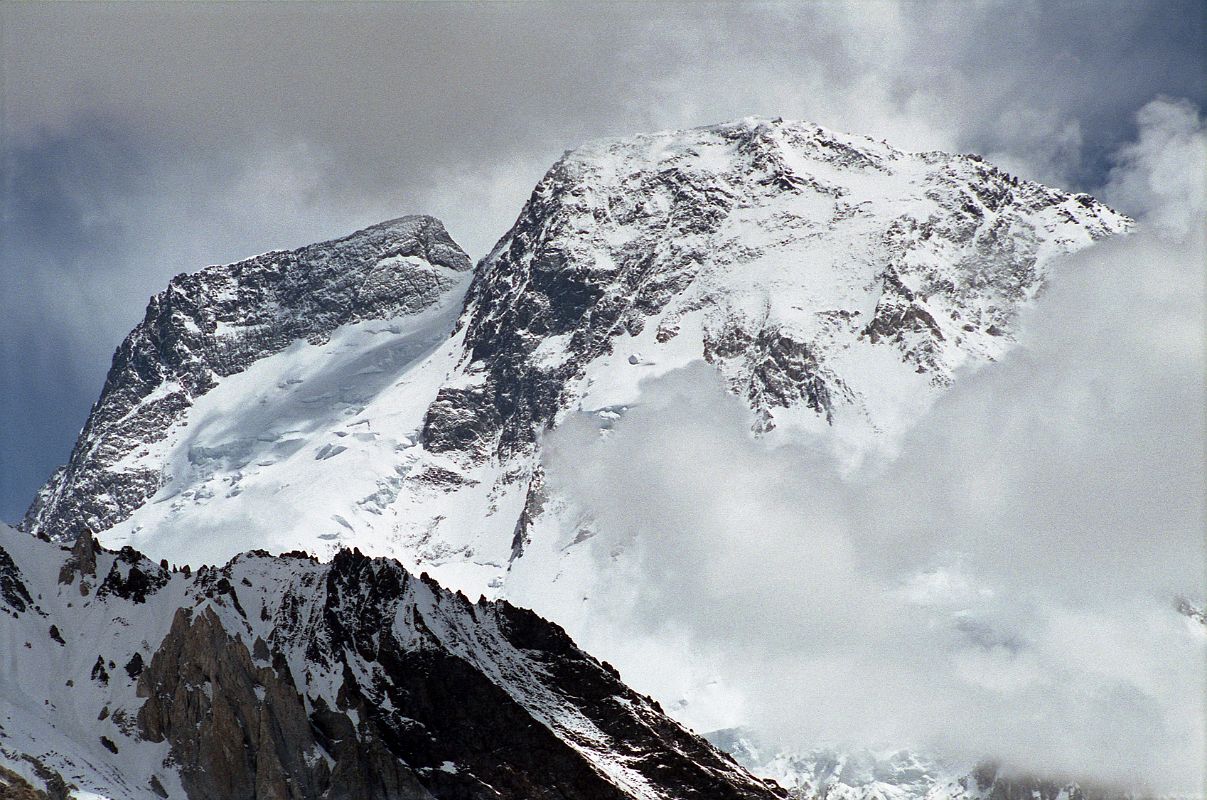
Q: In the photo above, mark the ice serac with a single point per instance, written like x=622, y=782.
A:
x=210, y=325
x=283, y=677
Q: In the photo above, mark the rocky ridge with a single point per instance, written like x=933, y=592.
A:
x=288, y=678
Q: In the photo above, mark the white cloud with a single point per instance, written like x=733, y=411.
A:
x=1161, y=176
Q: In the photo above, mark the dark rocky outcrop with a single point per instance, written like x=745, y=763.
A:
x=133, y=577
x=15, y=787
x=289, y=679
x=81, y=563
x=13, y=592
x=241, y=730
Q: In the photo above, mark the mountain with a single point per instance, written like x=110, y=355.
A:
x=839, y=285
x=375, y=392
x=283, y=677
x=217, y=323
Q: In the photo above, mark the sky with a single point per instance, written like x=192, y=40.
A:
x=141, y=140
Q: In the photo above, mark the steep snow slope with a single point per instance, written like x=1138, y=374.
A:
x=299, y=448
x=209, y=326
x=289, y=678
x=837, y=283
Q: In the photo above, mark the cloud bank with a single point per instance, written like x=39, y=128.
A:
x=1006, y=587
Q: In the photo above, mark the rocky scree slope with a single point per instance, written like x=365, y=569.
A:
x=217, y=322
x=288, y=678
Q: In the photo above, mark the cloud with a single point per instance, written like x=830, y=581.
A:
x=1158, y=175
x=1005, y=587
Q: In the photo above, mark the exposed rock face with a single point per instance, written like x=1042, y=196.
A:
x=239, y=730
x=15, y=787
x=288, y=679
x=81, y=563
x=215, y=323
x=13, y=592
x=792, y=244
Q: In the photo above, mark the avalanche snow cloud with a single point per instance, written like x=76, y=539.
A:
x=1007, y=586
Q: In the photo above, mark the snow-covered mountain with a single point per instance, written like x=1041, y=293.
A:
x=316, y=399
x=283, y=677
x=214, y=324
x=374, y=392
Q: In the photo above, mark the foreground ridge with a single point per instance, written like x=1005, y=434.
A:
x=286, y=677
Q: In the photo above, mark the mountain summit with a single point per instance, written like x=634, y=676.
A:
x=833, y=280
x=216, y=323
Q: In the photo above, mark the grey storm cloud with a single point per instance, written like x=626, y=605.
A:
x=143, y=140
